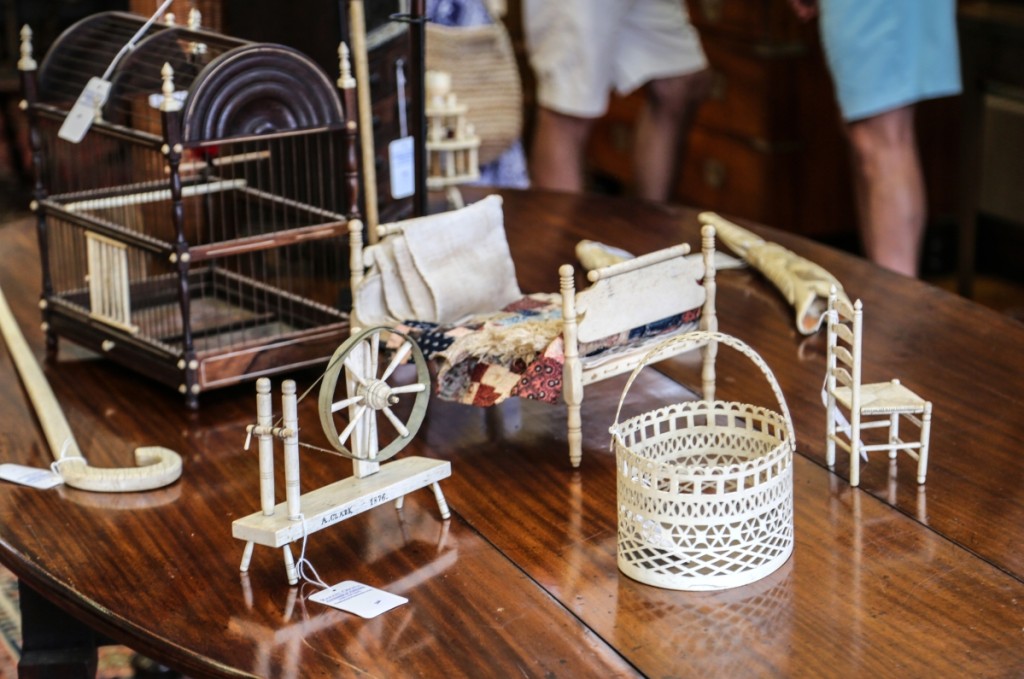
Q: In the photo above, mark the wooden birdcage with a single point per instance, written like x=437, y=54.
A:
x=198, y=231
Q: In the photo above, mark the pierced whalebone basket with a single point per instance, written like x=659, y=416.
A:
x=705, y=488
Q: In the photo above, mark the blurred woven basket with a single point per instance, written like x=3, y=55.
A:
x=485, y=77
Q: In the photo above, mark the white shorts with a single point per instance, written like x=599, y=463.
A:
x=581, y=49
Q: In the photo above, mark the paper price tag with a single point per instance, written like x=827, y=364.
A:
x=80, y=118
x=29, y=476
x=401, y=153
x=355, y=597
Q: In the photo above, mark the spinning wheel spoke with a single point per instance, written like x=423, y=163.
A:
x=368, y=399
x=400, y=355
x=355, y=371
x=409, y=389
x=395, y=422
x=343, y=436
x=346, y=402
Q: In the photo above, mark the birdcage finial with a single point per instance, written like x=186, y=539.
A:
x=169, y=18
x=195, y=21
x=169, y=103
x=26, y=62
x=345, y=81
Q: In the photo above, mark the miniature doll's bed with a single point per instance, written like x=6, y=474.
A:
x=448, y=281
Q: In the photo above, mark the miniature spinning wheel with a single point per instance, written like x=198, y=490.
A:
x=366, y=411
x=378, y=413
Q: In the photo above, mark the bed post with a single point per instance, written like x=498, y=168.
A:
x=572, y=371
x=709, y=318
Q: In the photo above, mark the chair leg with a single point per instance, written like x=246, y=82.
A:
x=854, y=450
x=830, y=433
x=854, y=463
x=926, y=431
x=894, y=435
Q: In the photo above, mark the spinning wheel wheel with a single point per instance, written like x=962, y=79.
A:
x=369, y=392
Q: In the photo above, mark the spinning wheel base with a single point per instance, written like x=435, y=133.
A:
x=343, y=499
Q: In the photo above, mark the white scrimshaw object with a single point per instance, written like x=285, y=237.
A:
x=804, y=284
x=158, y=466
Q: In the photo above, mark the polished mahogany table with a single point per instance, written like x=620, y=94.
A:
x=886, y=580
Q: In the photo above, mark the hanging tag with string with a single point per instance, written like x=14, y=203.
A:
x=401, y=151
x=94, y=96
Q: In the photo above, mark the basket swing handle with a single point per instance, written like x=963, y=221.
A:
x=696, y=339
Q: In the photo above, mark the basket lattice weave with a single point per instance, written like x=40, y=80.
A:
x=705, y=488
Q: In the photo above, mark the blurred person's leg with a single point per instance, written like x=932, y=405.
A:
x=889, y=189
x=556, y=154
x=662, y=130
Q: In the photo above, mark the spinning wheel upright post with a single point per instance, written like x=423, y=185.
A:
x=348, y=420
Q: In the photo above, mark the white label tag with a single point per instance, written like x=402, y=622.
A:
x=80, y=118
x=30, y=476
x=401, y=154
x=354, y=597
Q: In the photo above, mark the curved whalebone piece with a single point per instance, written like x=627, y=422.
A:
x=158, y=466
x=804, y=284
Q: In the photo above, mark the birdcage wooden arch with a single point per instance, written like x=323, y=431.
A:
x=198, y=231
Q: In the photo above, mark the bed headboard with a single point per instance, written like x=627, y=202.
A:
x=639, y=291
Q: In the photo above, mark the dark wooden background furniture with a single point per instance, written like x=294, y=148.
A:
x=991, y=171
x=886, y=580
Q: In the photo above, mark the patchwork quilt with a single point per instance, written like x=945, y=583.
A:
x=485, y=358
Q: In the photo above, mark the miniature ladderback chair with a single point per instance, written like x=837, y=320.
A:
x=868, y=406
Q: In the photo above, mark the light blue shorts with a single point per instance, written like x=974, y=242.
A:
x=886, y=54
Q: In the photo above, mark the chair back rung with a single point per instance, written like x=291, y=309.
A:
x=844, y=356
x=843, y=377
x=843, y=332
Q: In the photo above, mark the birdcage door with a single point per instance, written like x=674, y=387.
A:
x=109, y=286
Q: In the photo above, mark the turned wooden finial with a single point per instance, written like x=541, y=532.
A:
x=195, y=22
x=169, y=103
x=345, y=80
x=26, y=62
